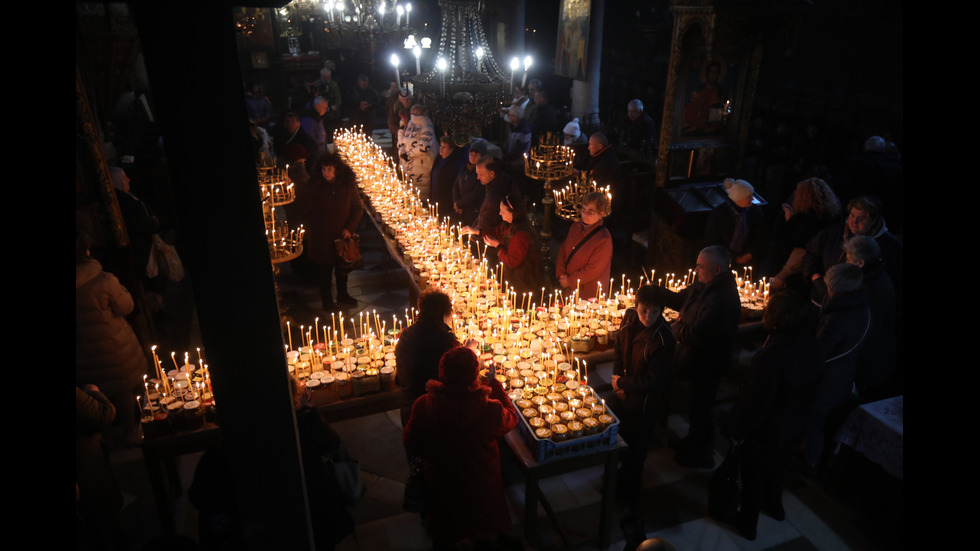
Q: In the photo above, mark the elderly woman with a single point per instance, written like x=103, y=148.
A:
x=739, y=225
x=454, y=428
x=585, y=257
x=518, y=141
x=864, y=217
x=813, y=207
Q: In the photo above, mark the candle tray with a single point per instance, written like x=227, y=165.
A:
x=545, y=449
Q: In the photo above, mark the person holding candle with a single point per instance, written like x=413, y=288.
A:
x=516, y=247
x=641, y=379
x=705, y=329
x=454, y=428
x=421, y=345
x=332, y=209
x=585, y=257
x=814, y=206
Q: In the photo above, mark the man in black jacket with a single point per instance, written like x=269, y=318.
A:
x=705, y=330
x=422, y=345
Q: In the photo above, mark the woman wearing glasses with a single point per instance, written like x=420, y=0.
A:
x=585, y=257
x=516, y=246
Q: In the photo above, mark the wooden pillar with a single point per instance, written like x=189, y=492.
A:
x=197, y=91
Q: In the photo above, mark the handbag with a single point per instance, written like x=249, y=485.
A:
x=415, y=494
x=349, y=253
x=347, y=472
x=725, y=487
x=164, y=261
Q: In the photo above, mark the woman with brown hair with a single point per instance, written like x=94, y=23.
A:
x=814, y=206
x=332, y=209
x=516, y=246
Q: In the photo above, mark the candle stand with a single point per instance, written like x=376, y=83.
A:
x=548, y=161
x=284, y=244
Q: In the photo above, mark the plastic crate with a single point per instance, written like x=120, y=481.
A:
x=545, y=449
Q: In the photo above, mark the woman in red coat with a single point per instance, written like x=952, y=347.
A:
x=516, y=246
x=454, y=429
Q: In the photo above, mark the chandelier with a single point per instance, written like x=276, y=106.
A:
x=466, y=87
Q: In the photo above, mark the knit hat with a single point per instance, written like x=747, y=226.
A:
x=572, y=128
x=479, y=146
x=459, y=368
x=738, y=189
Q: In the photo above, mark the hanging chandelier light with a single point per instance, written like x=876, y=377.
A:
x=465, y=88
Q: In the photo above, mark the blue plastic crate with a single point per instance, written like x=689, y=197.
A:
x=545, y=449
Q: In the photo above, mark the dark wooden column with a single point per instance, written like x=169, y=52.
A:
x=197, y=91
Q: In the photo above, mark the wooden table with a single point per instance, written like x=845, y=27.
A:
x=535, y=471
x=160, y=453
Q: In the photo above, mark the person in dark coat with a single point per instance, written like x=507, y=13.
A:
x=213, y=489
x=98, y=498
x=705, y=329
x=641, y=376
x=813, y=207
x=290, y=137
x=842, y=329
x=454, y=428
x=864, y=217
x=421, y=345
x=496, y=185
x=468, y=191
x=877, y=362
x=602, y=164
x=331, y=206
x=363, y=100
x=739, y=225
x=766, y=421
x=445, y=169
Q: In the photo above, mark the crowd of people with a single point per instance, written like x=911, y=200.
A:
x=833, y=324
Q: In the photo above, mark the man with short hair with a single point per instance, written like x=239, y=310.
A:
x=705, y=329
x=640, y=128
x=490, y=173
x=292, y=144
x=602, y=164
x=315, y=124
x=468, y=191
x=363, y=100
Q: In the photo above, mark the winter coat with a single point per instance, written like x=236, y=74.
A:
x=772, y=405
x=328, y=208
x=455, y=432
x=417, y=354
x=521, y=258
x=590, y=264
x=723, y=223
x=644, y=356
x=707, y=325
x=107, y=352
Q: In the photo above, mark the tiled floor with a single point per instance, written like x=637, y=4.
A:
x=673, y=503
